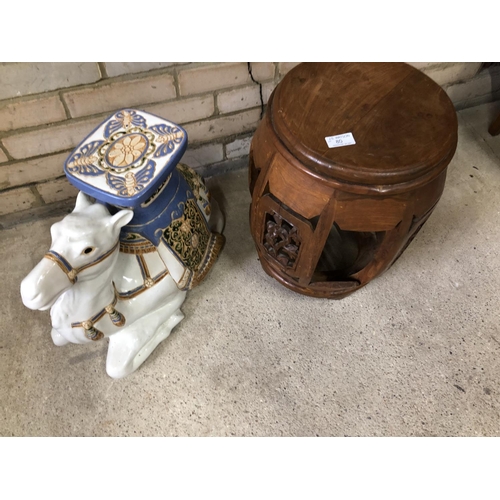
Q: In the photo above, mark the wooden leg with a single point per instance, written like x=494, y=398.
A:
x=315, y=245
x=387, y=252
x=495, y=126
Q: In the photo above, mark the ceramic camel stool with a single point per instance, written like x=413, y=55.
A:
x=121, y=263
x=80, y=279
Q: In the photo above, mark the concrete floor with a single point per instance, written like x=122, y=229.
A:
x=415, y=353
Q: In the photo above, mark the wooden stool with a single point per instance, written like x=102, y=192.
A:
x=327, y=220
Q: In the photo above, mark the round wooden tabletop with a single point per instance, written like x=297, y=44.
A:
x=403, y=123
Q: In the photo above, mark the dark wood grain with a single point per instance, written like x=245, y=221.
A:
x=399, y=134
x=494, y=128
x=327, y=221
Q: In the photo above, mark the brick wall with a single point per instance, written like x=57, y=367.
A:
x=46, y=109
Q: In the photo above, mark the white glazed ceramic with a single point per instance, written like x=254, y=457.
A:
x=87, y=235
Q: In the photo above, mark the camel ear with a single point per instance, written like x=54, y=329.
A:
x=82, y=202
x=120, y=219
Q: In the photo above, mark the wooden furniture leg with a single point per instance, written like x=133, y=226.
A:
x=495, y=126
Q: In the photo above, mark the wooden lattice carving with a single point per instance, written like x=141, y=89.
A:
x=281, y=240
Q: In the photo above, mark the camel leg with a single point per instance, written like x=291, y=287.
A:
x=129, y=348
x=57, y=338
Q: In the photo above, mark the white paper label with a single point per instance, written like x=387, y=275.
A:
x=337, y=141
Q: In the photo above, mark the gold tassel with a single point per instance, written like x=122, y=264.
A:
x=117, y=318
x=91, y=332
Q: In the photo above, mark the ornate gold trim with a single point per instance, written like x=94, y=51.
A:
x=148, y=281
x=117, y=318
x=137, y=248
x=217, y=242
x=71, y=274
x=185, y=282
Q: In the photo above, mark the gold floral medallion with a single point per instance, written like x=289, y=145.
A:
x=127, y=150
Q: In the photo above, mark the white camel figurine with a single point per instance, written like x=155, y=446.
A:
x=80, y=279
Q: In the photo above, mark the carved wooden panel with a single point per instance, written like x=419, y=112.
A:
x=282, y=234
x=281, y=239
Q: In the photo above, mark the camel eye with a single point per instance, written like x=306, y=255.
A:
x=87, y=250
